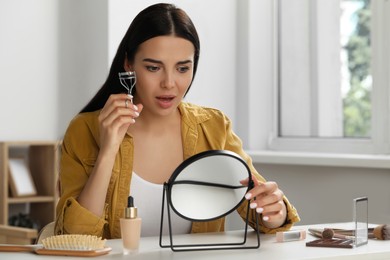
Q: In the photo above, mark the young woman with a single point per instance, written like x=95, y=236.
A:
x=122, y=144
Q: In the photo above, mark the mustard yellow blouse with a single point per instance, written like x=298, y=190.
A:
x=202, y=129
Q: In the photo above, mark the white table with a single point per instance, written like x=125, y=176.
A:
x=269, y=249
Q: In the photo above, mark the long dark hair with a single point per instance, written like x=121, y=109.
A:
x=155, y=20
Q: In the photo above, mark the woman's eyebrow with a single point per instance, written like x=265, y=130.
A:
x=184, y=62
x=152, y=60
x=160, y=62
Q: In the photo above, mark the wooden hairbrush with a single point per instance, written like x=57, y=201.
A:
x=67, y=245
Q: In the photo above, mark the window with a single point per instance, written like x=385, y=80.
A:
x=333, y=76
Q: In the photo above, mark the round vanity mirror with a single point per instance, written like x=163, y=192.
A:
x=207, y=185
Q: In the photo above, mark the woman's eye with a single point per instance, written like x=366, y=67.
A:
x=183, y=69
x=152, y=68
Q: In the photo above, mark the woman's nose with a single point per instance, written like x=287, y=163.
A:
x=168, y=81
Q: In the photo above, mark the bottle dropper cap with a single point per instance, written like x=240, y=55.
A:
x=130, y=211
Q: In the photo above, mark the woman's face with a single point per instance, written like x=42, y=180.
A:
x=164, y=69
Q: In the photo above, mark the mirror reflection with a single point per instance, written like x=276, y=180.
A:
x=208, y=185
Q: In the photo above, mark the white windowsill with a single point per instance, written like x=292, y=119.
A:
x=321, y=159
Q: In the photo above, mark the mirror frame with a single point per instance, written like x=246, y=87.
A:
x=361, y=225
x=167, y=196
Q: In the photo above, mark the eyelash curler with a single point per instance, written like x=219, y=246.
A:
x=128, y=76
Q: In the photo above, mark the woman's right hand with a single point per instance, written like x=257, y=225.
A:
x=115, y=118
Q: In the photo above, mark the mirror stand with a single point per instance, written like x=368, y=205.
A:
x=199, y=247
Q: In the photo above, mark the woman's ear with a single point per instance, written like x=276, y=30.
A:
x=127, y=66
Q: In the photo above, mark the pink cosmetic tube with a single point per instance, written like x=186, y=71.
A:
x=291, y=235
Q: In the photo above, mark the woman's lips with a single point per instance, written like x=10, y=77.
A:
x=165, y=101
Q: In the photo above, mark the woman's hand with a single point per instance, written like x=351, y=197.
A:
x=267, y=199
x=115, y=118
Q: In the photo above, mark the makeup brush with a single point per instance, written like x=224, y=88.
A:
x=382, y=232
x=328, y=233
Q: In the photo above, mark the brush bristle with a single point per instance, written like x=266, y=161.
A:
x=73, y=242
x=382, y=232
x=328, y=233
x=386, y=232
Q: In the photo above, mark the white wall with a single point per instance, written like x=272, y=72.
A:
x=83, y=55
x=28, y=69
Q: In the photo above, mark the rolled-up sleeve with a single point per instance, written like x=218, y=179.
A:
x=75, y=219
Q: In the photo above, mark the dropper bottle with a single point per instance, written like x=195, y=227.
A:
x=130, y=228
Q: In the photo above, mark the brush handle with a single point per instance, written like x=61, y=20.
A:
x=80, y=253
x=340, y=236
x=18, y=248
x=315, y=232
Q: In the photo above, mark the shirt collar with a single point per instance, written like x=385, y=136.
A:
x=192, y=115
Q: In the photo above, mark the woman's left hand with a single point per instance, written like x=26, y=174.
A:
x=267, y=199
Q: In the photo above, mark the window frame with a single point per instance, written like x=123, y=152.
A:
x=379, y=141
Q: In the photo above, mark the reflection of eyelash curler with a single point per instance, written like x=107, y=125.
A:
x=131, y=77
